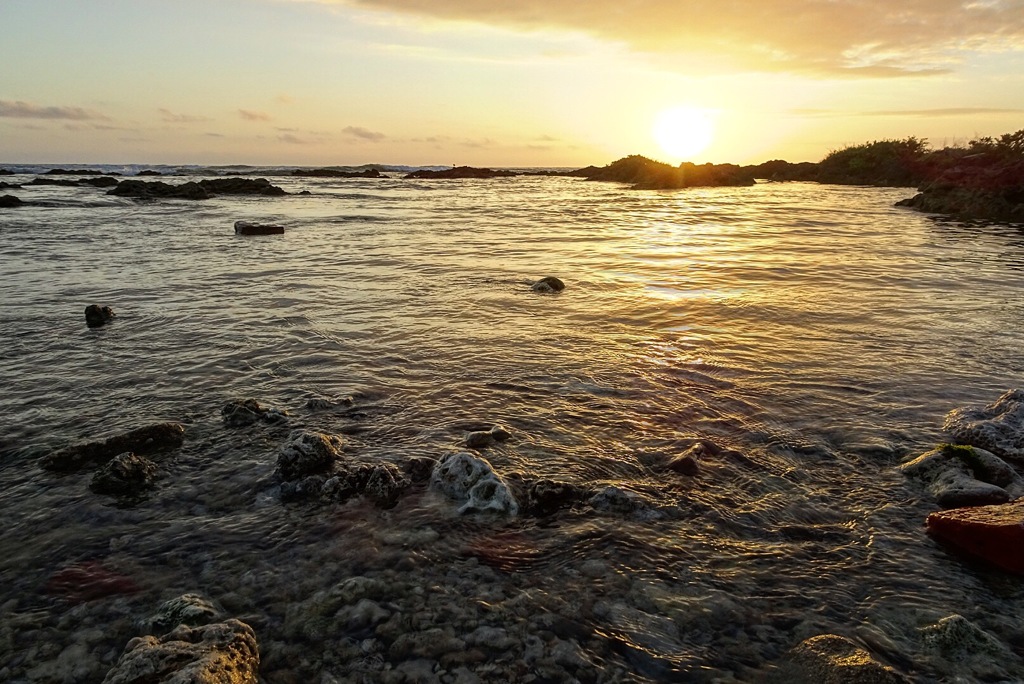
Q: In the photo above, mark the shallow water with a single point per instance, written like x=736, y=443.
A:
x=819, y=331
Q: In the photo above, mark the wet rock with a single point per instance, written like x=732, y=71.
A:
x=545, y=497
x=221, y=653
x=149, y=172
x=461, y=172
x=472, y=481
x=687, y=463
x=625, y=502
x=431, y=643
x=249, y=228
x=125, y=475
x=958, y=475
x=243, y=412
x=998, y=427
x=159, y=189
x=143, y=441
x=326, y=403
x=188, y=609
x=481, y=439
x=992, y=533
x=77, y=172
x=335, y=173
x=10, y=201
x=96, y=315
x=307, y=453
x=385, y=485
x=241, y=186
x=419, y=468
x=956, y=638
x=314, y=488
x=832, y=659
x=548, y=284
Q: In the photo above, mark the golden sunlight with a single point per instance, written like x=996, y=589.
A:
x=683, y=132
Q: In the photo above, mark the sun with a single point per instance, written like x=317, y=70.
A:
x=683, y=132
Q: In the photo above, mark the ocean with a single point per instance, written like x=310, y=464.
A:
x=816, y=335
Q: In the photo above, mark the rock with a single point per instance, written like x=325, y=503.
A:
x=188, y=609
x=149, y=172
x=221, y=653
x=687, y=462
x=334, y=173
x=242, y=412
x=419, y=468
x=832, y=659
x=10, y=201
x=992, y=533
x=955, y=638
x=324, y=403
x=77, y=172
x=248, y=228
x=307, y=453
x=461, y=172
x=645, y=174
x=479, y=439
x=101, y=182
x=619, y=501
x=143, y=441
x=471, y=480
x=96, y=315
x=385, y=484
x=240, y=186
x=548, y=284
x=960, y=476
x=125, y=475
x=998, y=427
x=9, y=186
x=159, y=189
x=546, y=497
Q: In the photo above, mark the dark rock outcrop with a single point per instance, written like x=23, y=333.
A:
x=335, y=173
x=645, y=174
x=546, y=497
x=994, y=534
x=149, y=172
x=6, y=172
x=307, y=453
x=204, y=189
x=220, y=653
x=548, y=284
x=145, y=440
x=96, y=315
x=4, y=185
x=79, y=172
x=241, y=186
x=188, y=609
x=125, y=476
x=249, y=228
x=474, y=484
x=95, y=181
x=461, y=172
x=10, y=201
x=958, y=475
x=242, y=412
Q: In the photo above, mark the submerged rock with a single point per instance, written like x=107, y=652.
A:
x=472, y=481
x=545, y=497
x=96, y=315
x=307, y=453
x=249, y=228
x=242, y=412
x=384, y=484
x=991, y=533
x=125, y=475
x=956, y=638
x=958, y=475
x=481, y=439
x=145, y=440
x=998, y=427
x=625, y=502
x=833, y=659
x=221, y=653
x=548, y=284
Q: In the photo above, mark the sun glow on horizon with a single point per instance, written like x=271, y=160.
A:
x=683, y=132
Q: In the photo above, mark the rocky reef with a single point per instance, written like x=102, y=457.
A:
x=192, y=190
x=461, y=172
x=646, y=174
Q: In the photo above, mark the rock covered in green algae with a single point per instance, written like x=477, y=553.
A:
x=958, y=475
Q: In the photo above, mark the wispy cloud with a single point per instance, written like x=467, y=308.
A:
x=293, y=139
x=363, y=133
x=250, y=115
x=27, y=110
x=866, y=38
x=948, y=111
x=171, y=117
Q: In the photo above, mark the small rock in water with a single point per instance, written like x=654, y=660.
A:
x=125, y=475
x=324, y=403
x=10, y=201
x=479, y=439
x=419, y=468
x=956, y=638
x=188, y=609
x=249, y=228
x=242, y=412
x=307, y=453
x=992, y=533
x=143, y=441
x=471, y=479
x=547, y=496
x=548, y=284
x=221, y=653
x=833, y=659
x=619, y=501
x=998, y=427
x=958, y=475
x=385, y=484
x=96, y=315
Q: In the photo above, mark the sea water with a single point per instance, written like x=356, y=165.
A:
x=818, y=332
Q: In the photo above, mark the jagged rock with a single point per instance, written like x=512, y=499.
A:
x=159, y=189
x=249, y=228
x=221, y=653
x=78, y=172
x=125, y=475
x=419, y=468
x=545, y=497
x=307, y=453
x=958, y=475
x=334, y=173
x=992, y=533
x=149, y=172
x=324, y=403
x=548, y=284
x=242, y=412
x=96, y=315
x=625, y=502
x=240, y=186
x=188, y=609
x=688, y=462
x=956, y=638
x=472, y=481
x=384, y=484
x=461, y=172
x=142, y=441
x=998, y=427
x=10, y=201
x=832, y=659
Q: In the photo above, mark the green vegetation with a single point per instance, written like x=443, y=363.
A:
x=964, y=453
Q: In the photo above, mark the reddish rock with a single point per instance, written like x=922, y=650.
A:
x=992, y=533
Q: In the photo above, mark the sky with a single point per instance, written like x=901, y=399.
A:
x=498, y=82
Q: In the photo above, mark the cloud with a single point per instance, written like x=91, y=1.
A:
x=363, y=133
x=868, y=38
x=949, y=111
x=170, y=117
x=250, y=115
x=293, y=139
x=26, y=110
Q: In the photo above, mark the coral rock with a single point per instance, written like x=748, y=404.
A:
x=472, y=481
x=998, y=427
